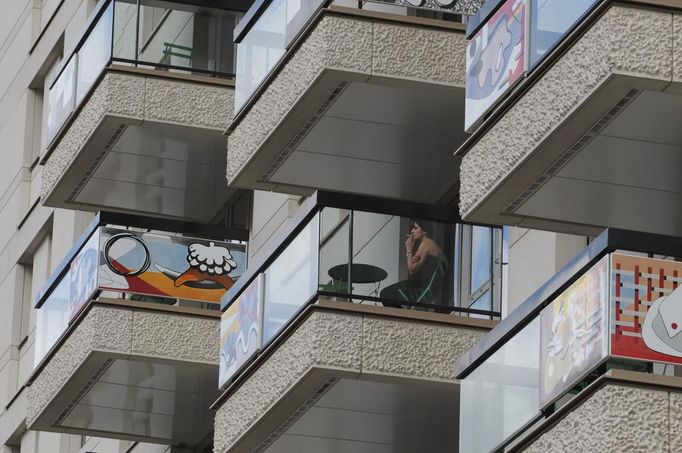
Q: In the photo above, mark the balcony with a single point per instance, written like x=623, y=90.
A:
x=136, y=111
x=335, y=331
x=347, y=99
x=127, y=332
x=558, y=363
x=583, y=136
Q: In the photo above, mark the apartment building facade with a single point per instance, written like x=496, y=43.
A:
x=213, y=210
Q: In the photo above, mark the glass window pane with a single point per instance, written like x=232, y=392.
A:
x=94, y=54
x=259, y=51
x=550, y=21
x=52, y=318
x=125, y=22
x=291, y=280
x=334, y=237
x=481, y=252
x=402, y=260
x=183, y=36
x=61, y=99
x=502, y=394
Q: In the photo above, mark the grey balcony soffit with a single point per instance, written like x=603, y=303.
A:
x=335, y=354
x=130, y=373
x=570, y=149
x=608, y=241
x=142, y=142
x=348, y=105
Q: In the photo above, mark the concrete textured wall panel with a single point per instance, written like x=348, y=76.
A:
x=176, y=336
x=188, y=104
x=138, y=98
x=349, y=343
x=399, y=51
x=615, y=418
x=675, y=422
x=624, y=40
x=413, y=349
x=348, y=44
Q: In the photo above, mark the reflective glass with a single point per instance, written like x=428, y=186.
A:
x=334, y=237
x=402, y=260
x=52, y=318
x=183, y=36
x=291, y=280
x=125, y=23
x=61, y=99
x=502, y=394
x=550, y=21
x=481, y=256
x=260, y=50
x=95, y=53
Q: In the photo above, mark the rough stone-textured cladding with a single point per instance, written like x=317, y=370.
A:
x=189, y=104
x=102, y=329
x=624, y=40
x=125, y=331
x=417, y=53
x=615, y=418
x=323, y=339
x=355, y=45
x=675, y=421
x=140, y=98
x=352, y=343
x=413, y=349
x=192, y=339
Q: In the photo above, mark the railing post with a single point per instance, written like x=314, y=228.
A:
x=137, y=31
x=350, y=253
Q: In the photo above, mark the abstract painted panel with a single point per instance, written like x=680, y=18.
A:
x=496, y=60
x=240, y=330
x=646, y=309
x=573, y=333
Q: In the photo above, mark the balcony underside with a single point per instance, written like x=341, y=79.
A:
x=365, y=104
x=595, y=142
x=351, y=378
x=133, y=374
x=143, y=143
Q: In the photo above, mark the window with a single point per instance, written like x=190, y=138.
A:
x=478, y=270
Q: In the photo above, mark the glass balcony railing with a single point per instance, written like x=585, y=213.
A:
x=615, y=305
x=356, y=249
x=162, y=35
x=498, y=53
x=141, y=262
x=271, y=27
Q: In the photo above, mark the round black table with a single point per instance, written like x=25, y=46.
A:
x=360, y=273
